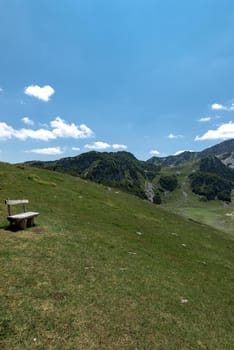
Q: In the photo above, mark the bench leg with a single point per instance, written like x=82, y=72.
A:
x=22, y=224
x=30, y=222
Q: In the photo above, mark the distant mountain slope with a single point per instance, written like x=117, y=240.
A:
x=117, y=169
x=224, y=151
x=174, y=160
x=219, y=149
x=146, y=180
x=213, y=180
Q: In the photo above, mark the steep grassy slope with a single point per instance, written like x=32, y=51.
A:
x=106, y=270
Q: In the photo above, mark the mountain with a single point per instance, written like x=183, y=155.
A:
x=170, y=161
x=117, y=169
x=224, y=151
x=213, y=180
x=156, y=179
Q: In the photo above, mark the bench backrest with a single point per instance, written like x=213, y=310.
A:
x=10, y=202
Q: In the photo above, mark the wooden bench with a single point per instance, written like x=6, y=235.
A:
x=21, y=220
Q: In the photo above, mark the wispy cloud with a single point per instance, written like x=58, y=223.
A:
x=224, y=131
x=98, y=145
x=154, y=152
x=59, y=129
x=205, y=119
x=27, y=121
x=221, y=107
x=182, y=151
x=172, y=136
x=117, y=146
x=1, y=89
x=47, y=151
x=42, y=93
x=75, y=149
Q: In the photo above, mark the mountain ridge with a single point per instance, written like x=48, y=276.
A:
x=224, y=151
x=152, y=179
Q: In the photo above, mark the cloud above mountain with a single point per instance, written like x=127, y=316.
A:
x=99, y=145
x=172, y=136
x=154, y=152
x=224, y=131
x=47, y=151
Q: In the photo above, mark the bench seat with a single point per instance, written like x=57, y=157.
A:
x=22, y=216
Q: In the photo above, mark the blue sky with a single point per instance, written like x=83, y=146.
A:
x=150, y=77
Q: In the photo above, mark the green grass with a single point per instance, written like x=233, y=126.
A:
x=106, y=270
x=184, y=202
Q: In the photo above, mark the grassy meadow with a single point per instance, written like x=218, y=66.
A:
x=106, y=270
x=184, y=202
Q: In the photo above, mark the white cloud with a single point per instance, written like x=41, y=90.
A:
x=224, y=131
x=172, y=136
x=220, y=107
x=154, y=152
x=179, y=152
x=98, y=145
x=182, y=151
x=6, y=131
x=117, y=146
x=42, y=93
x=48, y=151
x=40, y=134
x=62, y=129
x=27, y=121
x=204, y=120
x=75, y=149
x=59, y=129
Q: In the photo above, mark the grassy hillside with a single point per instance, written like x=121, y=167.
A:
x=106, y=270
x=183, y=201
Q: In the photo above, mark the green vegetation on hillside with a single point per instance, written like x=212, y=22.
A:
x=152, y=179
x=116, y=169
x=211, y=186
x=168, y=182
x=213, y=180
x=105, y=270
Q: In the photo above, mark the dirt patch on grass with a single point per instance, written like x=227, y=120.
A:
x=39, y=230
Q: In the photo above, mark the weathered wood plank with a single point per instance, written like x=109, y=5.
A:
x=22, y=216
x=16, y=201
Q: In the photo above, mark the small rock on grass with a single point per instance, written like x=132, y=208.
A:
x=139, y=233
x=174, y=234
x=183, y=301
